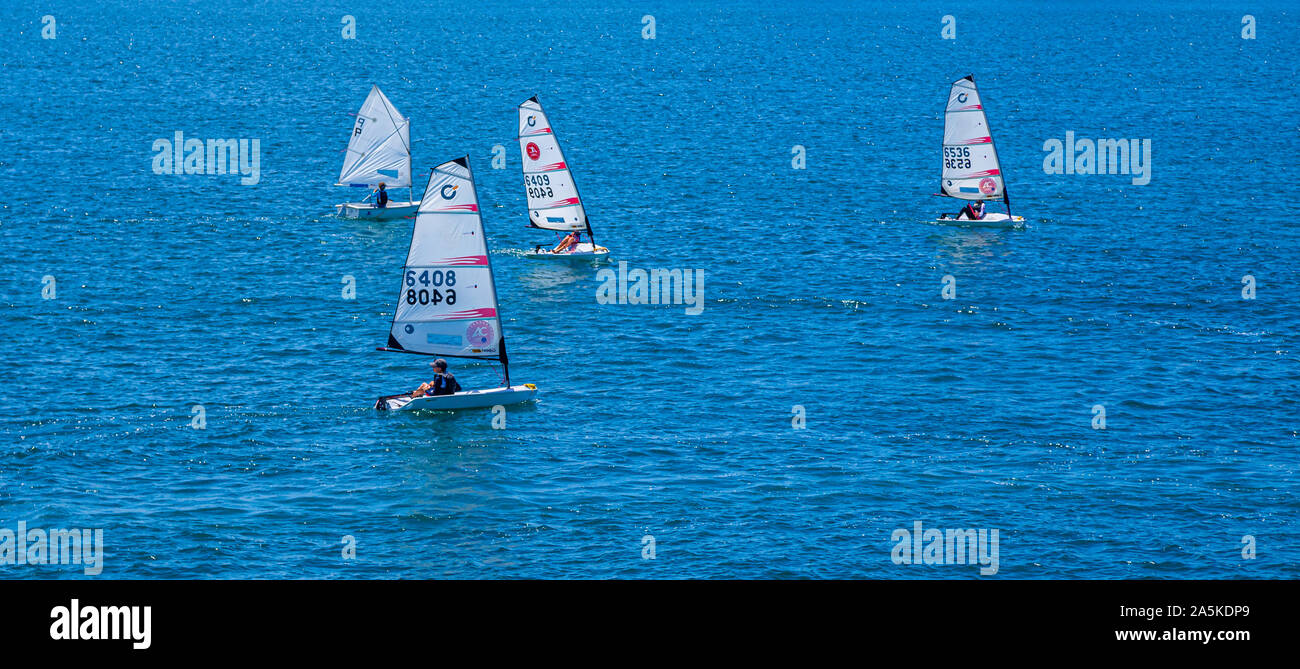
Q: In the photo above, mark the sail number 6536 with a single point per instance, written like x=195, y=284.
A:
x=956, y=157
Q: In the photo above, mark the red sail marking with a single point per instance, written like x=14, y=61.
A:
x=485, y=312
x=462, y=260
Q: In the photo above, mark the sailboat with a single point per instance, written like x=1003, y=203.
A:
x=553, y=200
x=379, y=151
x=448, y=300
x=971, y=170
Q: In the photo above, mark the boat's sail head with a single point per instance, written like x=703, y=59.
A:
x=380, y=146
x=970, y=164
x=553, y=201
x=447, y=304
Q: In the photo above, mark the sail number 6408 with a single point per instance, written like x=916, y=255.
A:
x=431, y=278
x=435, y=278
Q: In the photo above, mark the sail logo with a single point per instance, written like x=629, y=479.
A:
x=988, y=186
x=1101, y=156
x=214, y=156
x=656, y=286
x=480, y=333
x=533, y=152
x=961, y=98
x=532, y=121
x=447, y=196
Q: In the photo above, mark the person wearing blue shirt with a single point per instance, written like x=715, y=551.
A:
x=443, y=382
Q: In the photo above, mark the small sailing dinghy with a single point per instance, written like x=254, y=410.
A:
x=971, y=170
x=379, y=151
x=553, y=200
x=448, y=301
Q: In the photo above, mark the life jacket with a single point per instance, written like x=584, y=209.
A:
x=382, y=200
x=969, y=210
x=445, y=384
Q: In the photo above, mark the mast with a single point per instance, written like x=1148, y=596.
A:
x=487, y=248
x=585, y=218
x=380, y=146
x=447, y=305
x=561, y=168
x=971, y=167
x=1006, y=193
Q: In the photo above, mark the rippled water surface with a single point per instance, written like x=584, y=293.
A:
x=822, y=290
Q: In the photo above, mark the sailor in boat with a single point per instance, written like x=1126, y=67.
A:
x=443, y=382
x=973, y=211
x=567, y=244
x=381, y=196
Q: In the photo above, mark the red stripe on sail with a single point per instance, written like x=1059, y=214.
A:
x=485, y=312
x=976, y=175
x=463, y=260
x=563, y=203
x=458, y=207
x=552, y=167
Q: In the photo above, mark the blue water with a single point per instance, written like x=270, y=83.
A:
x=822, y=290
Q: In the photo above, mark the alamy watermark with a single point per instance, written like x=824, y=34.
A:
x=1102, y=156
x=935, y=546
x=214, y=156
x=47, y=547
x=656, y=286
x=75, y=622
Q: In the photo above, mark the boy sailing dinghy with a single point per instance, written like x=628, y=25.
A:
x=553, y=200
x=971, y=170
x=448, y=301
x=379, y=151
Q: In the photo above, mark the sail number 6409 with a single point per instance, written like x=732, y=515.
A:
x=538, y=185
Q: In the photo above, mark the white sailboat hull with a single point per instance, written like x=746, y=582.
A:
x=370, y=211
x=991, y=219
x=581, y=251
x=470, y=399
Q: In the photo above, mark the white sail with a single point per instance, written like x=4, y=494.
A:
x=380, y=148
x=970, y=163
x=448, y=303
x=553, y=201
